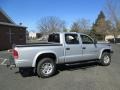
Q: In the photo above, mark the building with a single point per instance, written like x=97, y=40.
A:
x=107, y=37
x=10, y=32
x=32, y=35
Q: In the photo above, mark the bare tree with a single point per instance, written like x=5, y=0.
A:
x=75, y=27
x=81, y=25
x=84, y=25
x=112, y=11
x=51, y=24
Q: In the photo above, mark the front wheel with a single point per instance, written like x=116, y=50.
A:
x=105, y=59
x=46, y=68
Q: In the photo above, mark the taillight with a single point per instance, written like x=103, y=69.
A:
x=15, y=54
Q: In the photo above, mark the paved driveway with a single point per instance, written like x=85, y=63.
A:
x=78, y=77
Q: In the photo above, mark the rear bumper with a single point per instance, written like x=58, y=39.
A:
x=23, y=63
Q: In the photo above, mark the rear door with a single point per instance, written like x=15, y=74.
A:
x=73, y=50
x=89, y=49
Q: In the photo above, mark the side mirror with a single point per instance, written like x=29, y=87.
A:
x=95, y=41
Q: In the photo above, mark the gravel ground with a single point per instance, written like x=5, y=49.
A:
x=75, y=77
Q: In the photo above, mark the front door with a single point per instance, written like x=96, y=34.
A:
x=89, y=49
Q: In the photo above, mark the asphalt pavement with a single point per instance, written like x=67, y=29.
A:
x=76, y=77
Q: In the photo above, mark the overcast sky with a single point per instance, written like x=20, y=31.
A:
x=29, y=12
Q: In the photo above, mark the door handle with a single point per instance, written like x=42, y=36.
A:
x=67, y=48
x=83, y=47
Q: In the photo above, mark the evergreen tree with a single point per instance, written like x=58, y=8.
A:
x=101, y=16
x=99, y=29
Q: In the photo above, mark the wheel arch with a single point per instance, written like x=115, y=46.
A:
x=42, y=55
x=104, y=50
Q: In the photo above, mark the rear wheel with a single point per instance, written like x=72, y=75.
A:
x=105, y=59
x=46, y=68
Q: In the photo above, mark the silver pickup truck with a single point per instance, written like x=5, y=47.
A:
x=61, y=48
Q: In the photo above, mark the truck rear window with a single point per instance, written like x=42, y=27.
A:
x=54, y=38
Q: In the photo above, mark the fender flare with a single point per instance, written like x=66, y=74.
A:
x=101, y=52
x=40, y=53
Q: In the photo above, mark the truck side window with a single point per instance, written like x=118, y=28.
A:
x=54, y=38
x=86, y=40
x=71, y=39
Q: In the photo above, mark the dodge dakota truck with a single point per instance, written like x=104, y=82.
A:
x=61, y=48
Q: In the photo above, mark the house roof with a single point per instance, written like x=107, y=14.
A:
x=5, y=14
x=9, y=24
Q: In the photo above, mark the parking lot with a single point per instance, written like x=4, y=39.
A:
x=88, y=76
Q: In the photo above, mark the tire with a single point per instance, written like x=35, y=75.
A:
x=105, y=59
x=46, y=68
